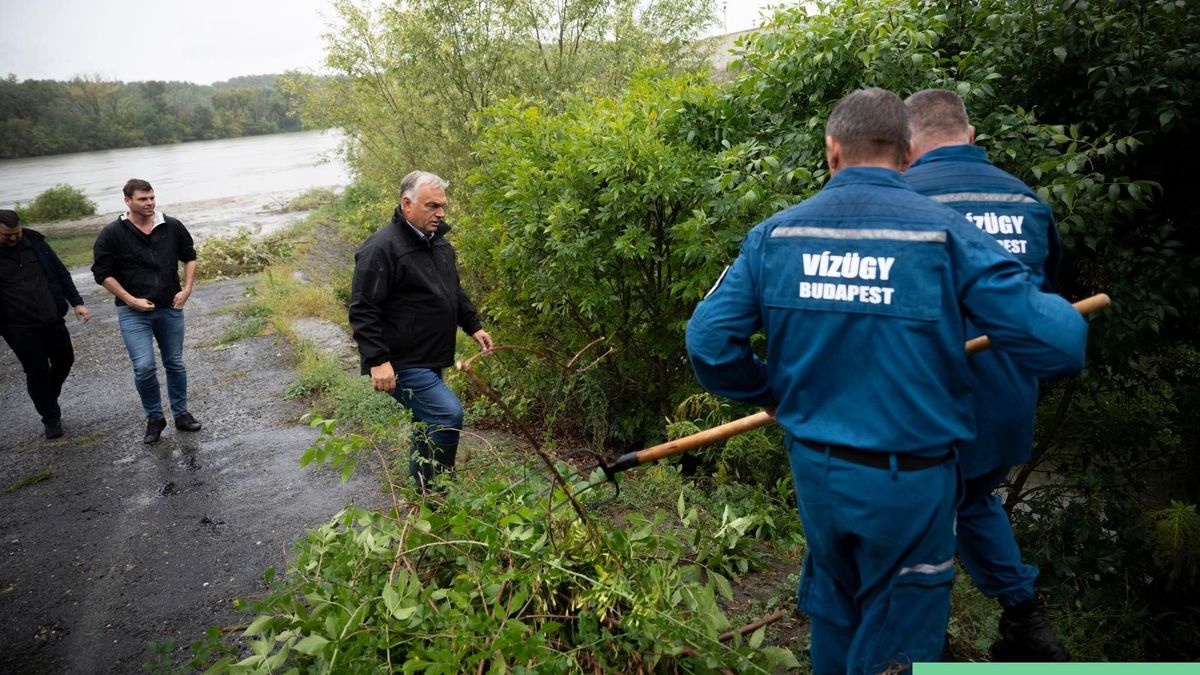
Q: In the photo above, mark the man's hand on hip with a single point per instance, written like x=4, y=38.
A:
x=383, y=378
x=180, y=298
x=485, y=341
x=141, y=305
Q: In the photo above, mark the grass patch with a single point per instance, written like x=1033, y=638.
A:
x=74, y=247
x=251, y=320
x=31, y=479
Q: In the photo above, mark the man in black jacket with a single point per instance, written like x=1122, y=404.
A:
x=137, y=259
x=405, y=305
x=35, y=289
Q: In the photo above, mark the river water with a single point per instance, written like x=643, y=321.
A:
x=213, y=186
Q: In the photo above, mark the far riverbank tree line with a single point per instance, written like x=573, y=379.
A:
x=48, y=117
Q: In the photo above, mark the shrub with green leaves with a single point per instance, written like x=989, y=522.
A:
x=243, y=253
x=586, y=223
x=60, y=202
x=502, y=576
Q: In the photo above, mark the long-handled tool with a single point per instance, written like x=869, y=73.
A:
x=761, y=419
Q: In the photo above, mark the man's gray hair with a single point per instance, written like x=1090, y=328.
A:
x=414, y=180
x=937, y=114
x=870, y=123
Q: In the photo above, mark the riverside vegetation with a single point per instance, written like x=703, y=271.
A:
x=47, y=117
x=604, y=207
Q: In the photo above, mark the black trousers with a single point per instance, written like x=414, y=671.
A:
x=46, y=355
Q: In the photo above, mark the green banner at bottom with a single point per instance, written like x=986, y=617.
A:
x=1056, y=669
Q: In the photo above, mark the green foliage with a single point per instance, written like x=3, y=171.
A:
x=974, y=621
x=412, y=75
x=596, y=239
x=251, y=320
x=752, y=457
x=1112, y=551
x=72, y=246
x=243, y=253
x=311, y=200
x=496, y=578
x=1176, y=541
x=60, y=202
x=44, y=117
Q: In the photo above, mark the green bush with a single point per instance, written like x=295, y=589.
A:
x=60, y=202
x=587, y=223
x=243, y=253
x=495, y=579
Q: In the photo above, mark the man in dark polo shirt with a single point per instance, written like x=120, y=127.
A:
x=35, y=289
x=137, y=259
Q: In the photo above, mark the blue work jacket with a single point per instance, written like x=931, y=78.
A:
x=863, y=292
x=1000, y=205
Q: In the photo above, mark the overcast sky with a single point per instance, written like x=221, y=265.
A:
x=201, y=41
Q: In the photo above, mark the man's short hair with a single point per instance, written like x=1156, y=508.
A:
x=870, y=124
x=9, y=218
x=937, y=114
x=134, y=185
x=414, y=180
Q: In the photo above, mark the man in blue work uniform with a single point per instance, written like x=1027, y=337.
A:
x=953, y=171
x=862, y=292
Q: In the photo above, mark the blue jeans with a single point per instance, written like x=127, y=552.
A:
x=437, y=419
x=140, y=330
x=986, y=543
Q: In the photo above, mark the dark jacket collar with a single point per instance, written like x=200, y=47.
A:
x=955, y=153
x=33, y=237
x=866, y=175
x=406, y=227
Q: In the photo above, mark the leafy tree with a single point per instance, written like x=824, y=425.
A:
x=412, y=75
x=589, y=219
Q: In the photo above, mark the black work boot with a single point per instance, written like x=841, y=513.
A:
x=1026, y=635
x=53, y=428
x=185, y=422
x=154, y=429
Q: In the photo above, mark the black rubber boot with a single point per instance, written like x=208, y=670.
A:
x=1026, y=636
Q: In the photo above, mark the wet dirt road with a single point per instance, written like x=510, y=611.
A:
x=122, y=544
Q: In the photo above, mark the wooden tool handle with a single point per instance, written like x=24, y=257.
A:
x=761, y=419
x=696, y=440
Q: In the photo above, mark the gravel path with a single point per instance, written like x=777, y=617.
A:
x=123, y=544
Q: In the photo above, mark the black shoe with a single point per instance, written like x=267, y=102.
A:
x=186, y=422
x=54, y=429
x=1026, y=636
x=154, y=429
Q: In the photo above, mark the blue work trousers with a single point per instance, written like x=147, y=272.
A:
x=986, y=544
x=437, y=419
x=140, y=330
x=880, y=565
